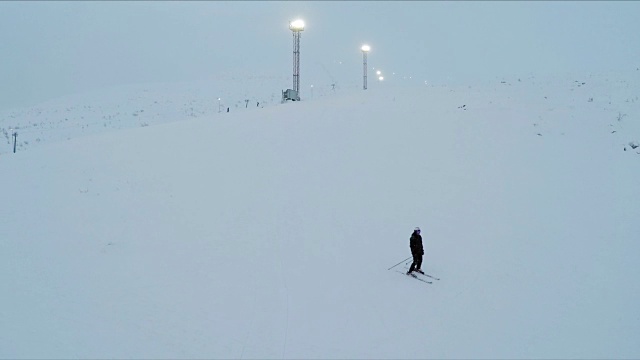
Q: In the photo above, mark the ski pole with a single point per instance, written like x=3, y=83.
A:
x=399, y=263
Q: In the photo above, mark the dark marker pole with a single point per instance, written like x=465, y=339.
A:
x=15, y=137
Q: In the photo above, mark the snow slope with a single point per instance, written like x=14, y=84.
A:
x=268, y=233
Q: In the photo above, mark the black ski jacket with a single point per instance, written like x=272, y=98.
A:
x=415, y=243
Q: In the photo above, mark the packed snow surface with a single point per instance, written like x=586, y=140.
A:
x=149, y=222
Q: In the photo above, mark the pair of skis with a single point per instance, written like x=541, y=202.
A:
x=412, y=274
x=420, y=277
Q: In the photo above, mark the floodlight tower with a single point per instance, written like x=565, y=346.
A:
x=296, y=27
x=365, y=49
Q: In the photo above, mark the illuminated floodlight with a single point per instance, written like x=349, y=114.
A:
x=296, y=25
x=381, y=78
x=365, y=49
x=378, y=72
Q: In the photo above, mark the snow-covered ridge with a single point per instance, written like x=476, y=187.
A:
x=613, y=98
x=133, y=106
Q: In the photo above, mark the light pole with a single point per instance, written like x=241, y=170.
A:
x=296, y=27
x=365, y=49
x=219, y=104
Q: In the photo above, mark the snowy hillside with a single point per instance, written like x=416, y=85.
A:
x=141, y=105
x=268, y=232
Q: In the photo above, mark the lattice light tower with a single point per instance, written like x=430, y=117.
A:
x=365, y=50
x=296, y=27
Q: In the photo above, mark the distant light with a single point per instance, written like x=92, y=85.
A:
x=365, y=48
x=381, y=78
x=296, y=25
x=378, y=72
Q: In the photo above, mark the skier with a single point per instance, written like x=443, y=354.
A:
x=415, y=243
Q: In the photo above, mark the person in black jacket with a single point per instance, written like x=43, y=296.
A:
x=415, y=243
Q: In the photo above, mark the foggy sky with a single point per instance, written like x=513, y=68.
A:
x=49, y=49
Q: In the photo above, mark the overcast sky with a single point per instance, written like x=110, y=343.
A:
x=49, y=49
